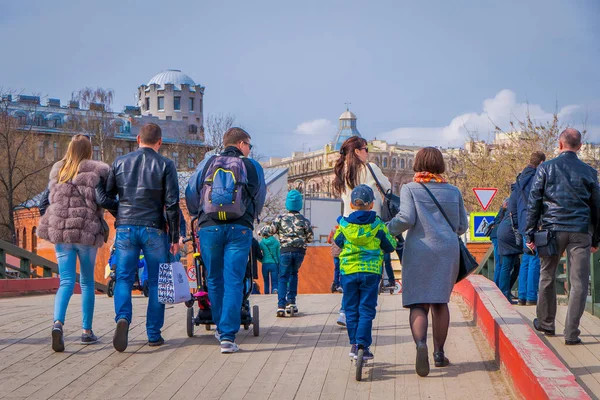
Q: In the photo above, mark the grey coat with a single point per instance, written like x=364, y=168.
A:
x=431, y=255
x=74, y=215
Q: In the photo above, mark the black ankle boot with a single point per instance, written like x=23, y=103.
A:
x=440, y=359
x=422, y=362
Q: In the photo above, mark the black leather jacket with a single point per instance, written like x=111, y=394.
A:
x=565, y=197
x=147, y=185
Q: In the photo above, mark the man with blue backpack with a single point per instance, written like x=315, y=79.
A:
x=227, y=193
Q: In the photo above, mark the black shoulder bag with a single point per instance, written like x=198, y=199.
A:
x=391, y=202
x=467, y=264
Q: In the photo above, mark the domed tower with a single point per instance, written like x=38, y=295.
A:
x=347, y=129
x=172, y=95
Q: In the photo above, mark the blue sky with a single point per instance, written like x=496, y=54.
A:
x=416, y=72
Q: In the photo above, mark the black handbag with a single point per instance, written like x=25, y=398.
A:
x=467, y=264
x=391, y=203
x=545, y=243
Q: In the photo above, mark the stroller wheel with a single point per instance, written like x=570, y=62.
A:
x=246, y=327
x=190, y=321
x=255, y=319
x=110, y=289
x=146, y=289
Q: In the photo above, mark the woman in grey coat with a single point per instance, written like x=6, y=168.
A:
x=431, y=253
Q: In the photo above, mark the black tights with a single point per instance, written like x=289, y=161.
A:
x=440, y=318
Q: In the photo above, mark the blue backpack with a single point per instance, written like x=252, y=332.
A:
x=225, y=195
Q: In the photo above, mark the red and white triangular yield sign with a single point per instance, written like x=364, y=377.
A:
x=485, y=196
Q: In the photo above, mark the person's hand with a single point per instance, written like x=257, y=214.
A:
x=174, y=248
x=531, y=246
x=594, y=249
x=180, y=241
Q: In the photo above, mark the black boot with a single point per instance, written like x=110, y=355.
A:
x=440, y=359
x=422, y=362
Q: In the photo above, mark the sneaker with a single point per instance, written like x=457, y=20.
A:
x=58, y=344
x=121, y=335
x=217, y=335
x=281, y=312
x=274, y=291
x=341, y=321
x=353, y=350
x=155, y=343
x=339, y=289
x=289, y=307
x=367, y=355
x=228, y=347
x=88, y=338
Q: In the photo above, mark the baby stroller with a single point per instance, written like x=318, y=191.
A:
x=141, y=276
x=200, y=295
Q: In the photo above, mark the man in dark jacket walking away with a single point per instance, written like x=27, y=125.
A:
x=147, y=185
x=227, y=193
x=564, y=199
x=529, y=273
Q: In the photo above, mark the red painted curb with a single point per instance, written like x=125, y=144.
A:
x=534, y=369
x=18, y=287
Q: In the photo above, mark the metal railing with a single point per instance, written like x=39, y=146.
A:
x=28, y=264
x=563, y=284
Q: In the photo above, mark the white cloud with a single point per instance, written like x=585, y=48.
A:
x=497, y=111
x=317, y=127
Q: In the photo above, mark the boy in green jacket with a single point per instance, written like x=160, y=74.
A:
x=270, y=262
x=363, y=238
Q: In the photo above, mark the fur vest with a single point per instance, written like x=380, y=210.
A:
x=73, y=215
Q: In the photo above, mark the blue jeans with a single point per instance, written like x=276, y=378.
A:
x=270, y=272
x=529, y=277
x=508, y=263
x=389, y=271
x=130, y=240
x=66, y=255
x=497, y=262
x=360, y=303
x=336, y=271
x=288, y=278
x=225, y=250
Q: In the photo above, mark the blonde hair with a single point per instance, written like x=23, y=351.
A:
x=80, y=148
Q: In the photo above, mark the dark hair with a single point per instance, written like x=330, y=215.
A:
x=536, y=158
x=429, y=159
x=235, y=135
x=150, y=134
x=571, y=137
x=348, y=165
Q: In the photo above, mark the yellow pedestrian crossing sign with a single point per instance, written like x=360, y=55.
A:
x=478, y=223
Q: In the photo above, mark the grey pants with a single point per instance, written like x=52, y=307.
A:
x=578, y=247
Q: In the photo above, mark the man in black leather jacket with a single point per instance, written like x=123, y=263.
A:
x=147, y=185
x=565, y=199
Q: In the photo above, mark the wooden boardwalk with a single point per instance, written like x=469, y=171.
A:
x=305, y=357
x=583, y=360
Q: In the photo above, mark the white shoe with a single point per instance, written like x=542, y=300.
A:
x=217, y=335
x=228, y=347
x=341, y=321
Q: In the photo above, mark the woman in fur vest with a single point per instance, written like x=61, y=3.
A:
x=72, y=221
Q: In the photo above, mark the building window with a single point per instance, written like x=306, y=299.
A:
x=120, y=127
x=24, y=237
x=177, y=103
x=147, y=103
x=40, y=120
x=394, y=163
x=22, y=120
x=191, y=161
x=56, y=151
x=41, y=150
x=169, y=118
x=175, y=157
x=119, y=151
x=161, y=103
x=192, y=129
x=96, y=153
x=34, y=240
x=55, y=122
x=410, y=164
x=384, y=162
x=191, y=104
x=402, y=164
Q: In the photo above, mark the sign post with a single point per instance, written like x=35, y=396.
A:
x=485, y=196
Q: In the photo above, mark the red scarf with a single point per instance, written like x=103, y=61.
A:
x=424, y=177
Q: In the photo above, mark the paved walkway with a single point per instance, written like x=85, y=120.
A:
x=305, y=357
x=583, y=360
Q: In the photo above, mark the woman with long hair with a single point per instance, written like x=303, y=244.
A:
x=431, y=255
x=71, y=219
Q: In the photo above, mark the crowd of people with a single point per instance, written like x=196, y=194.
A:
x=227, y=193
